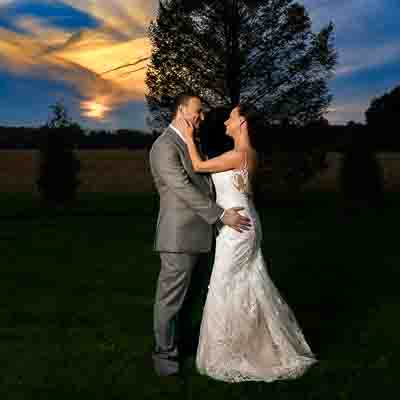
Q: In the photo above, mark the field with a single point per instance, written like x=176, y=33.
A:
x=125, y=171
x=101, y=171
x=77, y=291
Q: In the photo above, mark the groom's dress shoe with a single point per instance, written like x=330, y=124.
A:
x=173, y=384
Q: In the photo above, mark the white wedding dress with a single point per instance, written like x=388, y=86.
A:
x=248, y=332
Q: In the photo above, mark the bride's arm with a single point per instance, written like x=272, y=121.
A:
x=226, y=161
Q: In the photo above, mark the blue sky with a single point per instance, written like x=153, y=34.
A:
x=62, y=49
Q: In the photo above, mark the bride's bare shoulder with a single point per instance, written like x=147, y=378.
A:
x=247, y=159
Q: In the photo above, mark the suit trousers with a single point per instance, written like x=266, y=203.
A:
x=171, y=299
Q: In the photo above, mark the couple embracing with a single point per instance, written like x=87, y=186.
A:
x=248, y=332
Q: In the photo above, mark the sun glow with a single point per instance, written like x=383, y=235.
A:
x=94, y=109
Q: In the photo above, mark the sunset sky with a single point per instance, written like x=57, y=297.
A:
x=65, y=50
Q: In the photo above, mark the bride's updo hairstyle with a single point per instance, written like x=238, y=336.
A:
x=255, y=122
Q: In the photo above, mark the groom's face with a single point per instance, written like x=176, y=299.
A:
x=193, y=111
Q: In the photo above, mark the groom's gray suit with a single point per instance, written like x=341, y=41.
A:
x=184, y=230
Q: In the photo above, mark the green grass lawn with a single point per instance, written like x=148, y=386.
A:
x=77, y=291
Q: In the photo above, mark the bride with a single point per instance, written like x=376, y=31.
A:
x=248, y=332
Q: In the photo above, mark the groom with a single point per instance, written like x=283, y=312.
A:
x=185, y=226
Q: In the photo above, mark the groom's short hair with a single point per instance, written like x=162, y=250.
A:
x=182, y=100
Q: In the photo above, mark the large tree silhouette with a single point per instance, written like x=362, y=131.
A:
x=262, y=51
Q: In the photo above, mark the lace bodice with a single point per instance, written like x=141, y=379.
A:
x=233, y=187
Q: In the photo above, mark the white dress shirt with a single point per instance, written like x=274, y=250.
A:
x=182, y=137
x=178, y=132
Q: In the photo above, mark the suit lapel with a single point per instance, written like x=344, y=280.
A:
x=207, y=177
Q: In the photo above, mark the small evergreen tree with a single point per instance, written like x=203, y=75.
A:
x=59, y=166
x=361, y=179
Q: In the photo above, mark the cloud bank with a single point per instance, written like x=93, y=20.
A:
x=38, y=47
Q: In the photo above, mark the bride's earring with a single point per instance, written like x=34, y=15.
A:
x=242, y=121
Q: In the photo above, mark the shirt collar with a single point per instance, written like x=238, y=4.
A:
x=177, y=132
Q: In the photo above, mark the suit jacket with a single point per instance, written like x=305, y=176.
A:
x=187, y=202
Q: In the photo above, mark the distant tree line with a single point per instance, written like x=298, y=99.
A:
x=382, y=137
x=30, y=138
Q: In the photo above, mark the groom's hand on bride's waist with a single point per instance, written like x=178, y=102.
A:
x=232, y=218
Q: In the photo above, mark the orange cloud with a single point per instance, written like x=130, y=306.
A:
x=17, y=52
x=38, y=29
x=110, y=55
x=87, y=59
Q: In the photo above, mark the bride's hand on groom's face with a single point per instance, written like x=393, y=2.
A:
x=236, y=221
x=186, y=127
